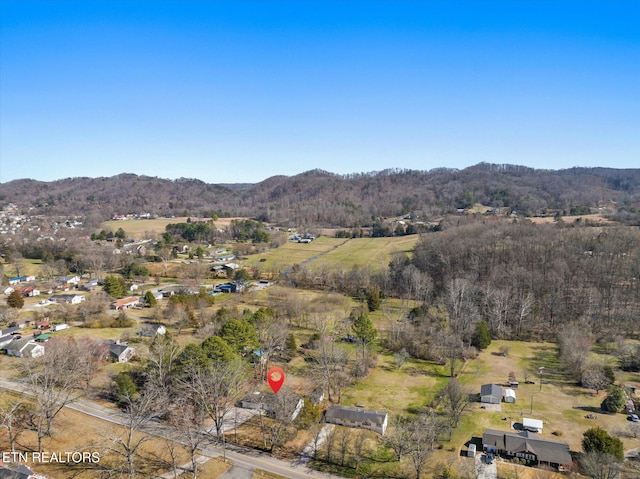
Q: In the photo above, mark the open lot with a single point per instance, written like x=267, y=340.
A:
x=142, y=229
x=334, y=253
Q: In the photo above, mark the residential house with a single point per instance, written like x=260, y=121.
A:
x=67, y=298
x=17, y=279
x=30, y=292
x=10, y=330
x=24, y=347
x=126, y=303
x=6, y=339
x=491, y=394
x=152, y=330
x=509, y=395
x=290, y=404
x=357, y=417
x=121, y=352
x=8, y=290
x=73, y=279
x=526, y=445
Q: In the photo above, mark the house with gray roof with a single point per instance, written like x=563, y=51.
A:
x=528, y=446
x=121, y=352
x=357, y=417
x=491, y=394
x=23, y=347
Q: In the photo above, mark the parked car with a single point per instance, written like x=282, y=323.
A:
x=633, y=418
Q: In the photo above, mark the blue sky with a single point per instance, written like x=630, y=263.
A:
x=240, y=91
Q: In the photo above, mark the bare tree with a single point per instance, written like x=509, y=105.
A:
x=455, y=399
x=14, y=418
x=424, y=433
x=163, y=353
x=598, y=465
x=398, y=436
x=52, y=379
x=189, y=432
x=574, y=341
x=126, y=447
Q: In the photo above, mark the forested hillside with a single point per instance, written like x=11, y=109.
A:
x=319, y=198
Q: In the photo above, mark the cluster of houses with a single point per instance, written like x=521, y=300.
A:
x=348, y=416
x=524, y=444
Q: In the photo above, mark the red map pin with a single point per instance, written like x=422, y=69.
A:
x=275, y=377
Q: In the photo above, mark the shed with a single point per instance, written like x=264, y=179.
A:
x=491, y=394
x=533, y=425
x=471, y=452
x=509, y=395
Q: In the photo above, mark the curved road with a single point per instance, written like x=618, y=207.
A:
x=243, y=458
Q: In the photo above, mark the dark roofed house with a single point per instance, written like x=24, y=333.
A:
x=121, y=352
x=491, y=394
x=357, y=417
x=528, y=446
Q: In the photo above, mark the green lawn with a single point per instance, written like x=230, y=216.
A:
x=400, y=391
x=334, y=253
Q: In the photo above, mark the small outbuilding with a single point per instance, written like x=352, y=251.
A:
x=471, y=452
x=509, y=395
x=532, y=425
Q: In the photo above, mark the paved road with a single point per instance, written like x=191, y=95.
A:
x=242, y=458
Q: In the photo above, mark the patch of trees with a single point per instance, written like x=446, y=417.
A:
x=200, y=231
x=248, y=230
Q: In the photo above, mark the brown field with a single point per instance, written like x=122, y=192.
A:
x=142, y=229
x=74, y=431
x=594, y=218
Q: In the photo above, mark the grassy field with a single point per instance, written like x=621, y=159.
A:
x=292, y=253
x=334, y=253
x=400, y=391
x=141, y=229
x=373, y=252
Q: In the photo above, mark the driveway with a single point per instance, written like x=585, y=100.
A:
x=484, y=470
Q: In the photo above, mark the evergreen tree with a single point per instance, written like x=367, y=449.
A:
x=290, y=345
x=599, y=440
x=15, y=300
x=481, y=336
x=114, y=286
x=615, y=400
x=149, y=299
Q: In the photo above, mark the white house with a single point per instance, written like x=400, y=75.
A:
x=126, y=303
x=74, y=279
x=67, y=298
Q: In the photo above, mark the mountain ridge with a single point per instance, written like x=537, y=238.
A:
x=318, y=197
